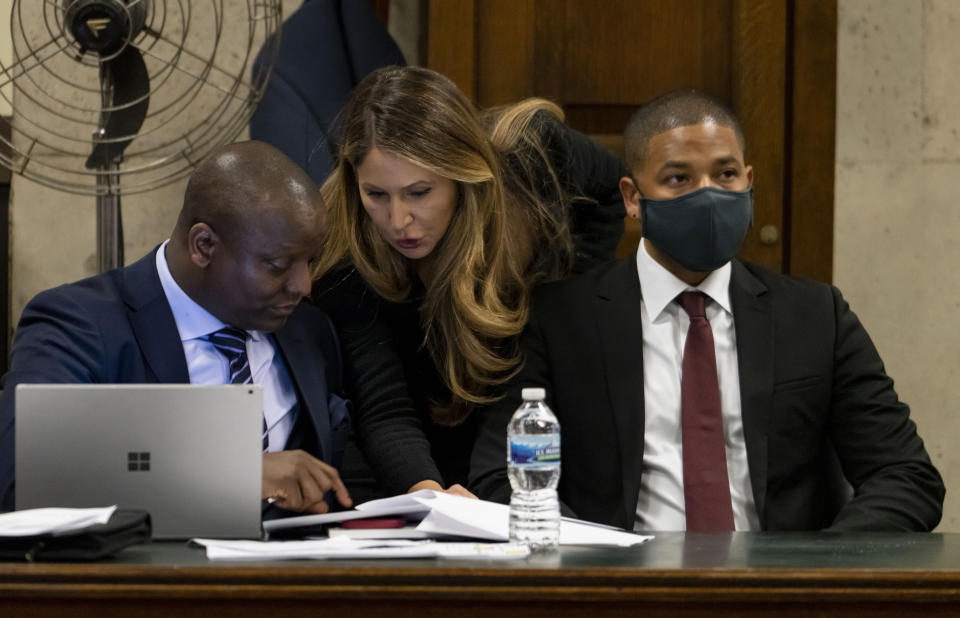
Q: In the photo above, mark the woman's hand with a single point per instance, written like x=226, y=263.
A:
x=456, y=490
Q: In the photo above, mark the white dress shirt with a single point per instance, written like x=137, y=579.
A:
x=660, y=505
x=208, y=366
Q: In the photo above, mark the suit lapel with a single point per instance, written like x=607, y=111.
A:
x=307, y=368
x=152, y=321
x=753, y=321
x=618, y=322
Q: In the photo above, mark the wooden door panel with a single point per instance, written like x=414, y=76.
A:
x=759, y=99
x=452, y=26
x=506, y=46
x=624, y=52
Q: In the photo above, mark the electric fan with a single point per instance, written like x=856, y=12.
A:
x=114, y=97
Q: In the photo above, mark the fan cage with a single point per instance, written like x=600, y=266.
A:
x=206, y=79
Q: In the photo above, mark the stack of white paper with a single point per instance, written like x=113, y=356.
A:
x=31, y=522
x=347, y=548
x=440, y=515
x=450, y=515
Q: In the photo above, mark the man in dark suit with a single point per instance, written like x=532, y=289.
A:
x=698, y=392
x=237, y=265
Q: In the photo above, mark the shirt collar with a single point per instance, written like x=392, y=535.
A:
x=193, y=321
x=659, y=286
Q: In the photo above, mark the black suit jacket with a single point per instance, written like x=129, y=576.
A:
x=117, y=327
x=326, y=48
x=811, y=383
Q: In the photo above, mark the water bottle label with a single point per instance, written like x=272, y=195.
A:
x=535, y=450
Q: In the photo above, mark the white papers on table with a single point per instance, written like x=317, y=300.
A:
x=406, y=532
x=346, y=548
x=31, y=522
x=408, y=508
x=446, y=514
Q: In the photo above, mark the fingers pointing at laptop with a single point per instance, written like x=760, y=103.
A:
x=297, y=481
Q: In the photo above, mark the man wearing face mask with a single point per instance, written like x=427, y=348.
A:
x=698, y=392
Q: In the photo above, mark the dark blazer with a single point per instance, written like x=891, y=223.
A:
x=811, y=382
x=326, y=48
x=117, y=327
x=390, y=375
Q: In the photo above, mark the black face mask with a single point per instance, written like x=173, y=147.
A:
x=702, y=230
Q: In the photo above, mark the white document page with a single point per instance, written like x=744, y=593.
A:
x=346, y=548
x=480, y=519
x=398, y=505
x=447, y=514
x=406, y=532
x=31, y=522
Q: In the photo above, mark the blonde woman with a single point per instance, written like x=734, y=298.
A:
x=440, y=221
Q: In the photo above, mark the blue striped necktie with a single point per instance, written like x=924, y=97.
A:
x=232, y=343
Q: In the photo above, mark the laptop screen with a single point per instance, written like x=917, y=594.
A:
x=190, y=455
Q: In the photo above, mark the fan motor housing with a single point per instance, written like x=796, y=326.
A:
x=104, y=26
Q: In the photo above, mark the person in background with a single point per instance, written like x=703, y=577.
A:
x=219, y=302
x=698, y=392
x=441, y=221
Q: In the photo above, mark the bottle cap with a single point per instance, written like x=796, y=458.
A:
x=533, y=394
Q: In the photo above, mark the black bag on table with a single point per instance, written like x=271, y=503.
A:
x=124, y=529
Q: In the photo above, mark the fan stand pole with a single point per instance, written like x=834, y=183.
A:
x=109, y=224
x=109, y=230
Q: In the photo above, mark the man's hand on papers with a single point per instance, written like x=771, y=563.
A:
x=456, y=489
x=297, y=481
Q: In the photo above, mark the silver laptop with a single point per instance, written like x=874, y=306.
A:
x=189, y=455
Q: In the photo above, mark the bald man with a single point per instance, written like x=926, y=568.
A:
x=239, y=258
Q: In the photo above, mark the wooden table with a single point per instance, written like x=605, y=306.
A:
x=743, y=574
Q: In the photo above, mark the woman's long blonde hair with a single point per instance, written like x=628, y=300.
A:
x=508, y=226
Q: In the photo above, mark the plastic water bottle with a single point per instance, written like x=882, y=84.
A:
x=533, y=465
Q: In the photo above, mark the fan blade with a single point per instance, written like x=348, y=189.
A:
x=128, y=74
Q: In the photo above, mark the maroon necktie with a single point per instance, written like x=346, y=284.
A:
x=706, y=488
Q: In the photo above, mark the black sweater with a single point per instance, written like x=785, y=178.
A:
x=390, y=375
